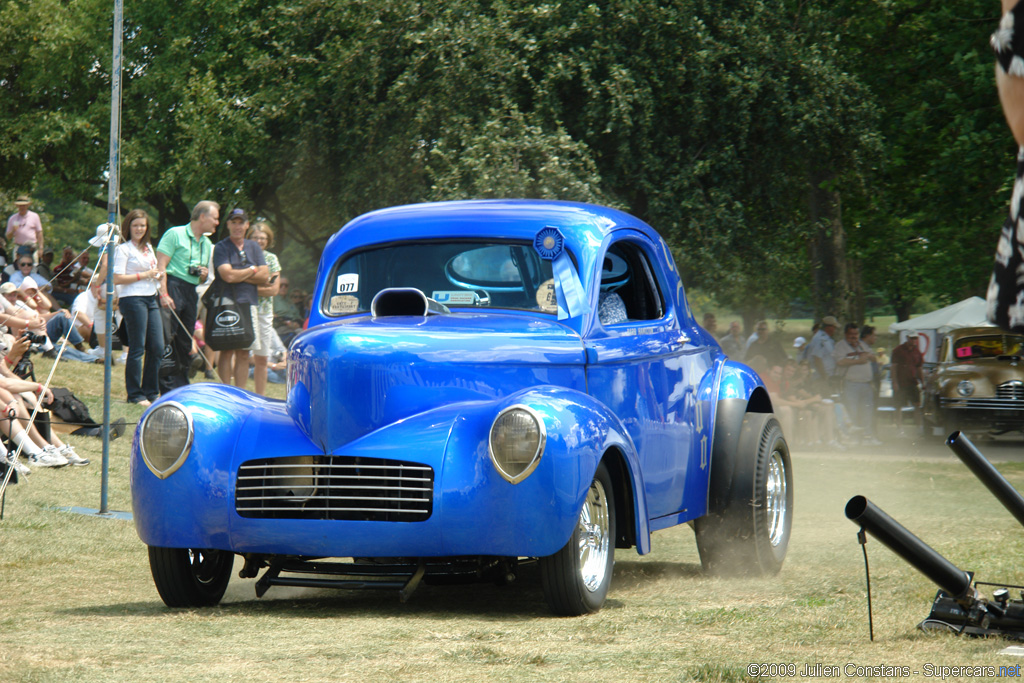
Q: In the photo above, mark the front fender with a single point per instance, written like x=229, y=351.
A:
x=194, y=506
x=540, y=512
x=475, y=511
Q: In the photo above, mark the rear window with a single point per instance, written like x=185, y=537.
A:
x=458, y=274
x=988, y=346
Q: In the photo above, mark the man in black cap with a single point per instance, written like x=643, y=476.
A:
x=239, y=268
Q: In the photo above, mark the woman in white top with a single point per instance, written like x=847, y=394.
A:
x=138, y=288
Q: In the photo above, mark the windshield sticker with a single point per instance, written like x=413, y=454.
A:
x=547, y=300
x=348, y=283
x=458, y=297
x=342, y=304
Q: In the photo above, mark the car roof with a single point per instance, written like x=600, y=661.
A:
x=981, y=331
x=584, y=226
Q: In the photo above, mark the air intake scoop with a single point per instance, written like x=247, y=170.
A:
x=404, y=301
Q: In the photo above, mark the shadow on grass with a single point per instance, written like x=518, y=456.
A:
x=522, y=600
x=517, y=601
x=631, y=574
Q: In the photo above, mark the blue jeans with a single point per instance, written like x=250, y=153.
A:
x=58, y=326
x=145, y=329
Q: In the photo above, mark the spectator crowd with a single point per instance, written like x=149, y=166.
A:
x=157, y=307
x=825, y=390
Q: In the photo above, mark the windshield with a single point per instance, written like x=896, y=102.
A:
x=457, y=274
x=988, y=346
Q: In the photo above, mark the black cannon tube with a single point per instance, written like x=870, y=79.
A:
x=944, y=573
x=989, y=475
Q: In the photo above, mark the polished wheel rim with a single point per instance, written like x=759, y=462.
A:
x=594, y=544
x=775, y=498
x=205, y=564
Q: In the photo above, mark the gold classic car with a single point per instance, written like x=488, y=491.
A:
x=978, y=384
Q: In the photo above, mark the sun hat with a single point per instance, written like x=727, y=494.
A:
x=101, y=234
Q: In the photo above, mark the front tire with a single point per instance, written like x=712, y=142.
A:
x=577, y=577
x=750, y=535
x=188, y=577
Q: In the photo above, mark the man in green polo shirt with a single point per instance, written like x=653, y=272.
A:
x=184, y=254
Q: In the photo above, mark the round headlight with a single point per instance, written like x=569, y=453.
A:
x=166, y=438
x=965, y=388
x=516, y=442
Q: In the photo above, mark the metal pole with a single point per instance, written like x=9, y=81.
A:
x=112, y=217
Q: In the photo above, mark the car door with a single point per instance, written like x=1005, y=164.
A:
x=645, y=367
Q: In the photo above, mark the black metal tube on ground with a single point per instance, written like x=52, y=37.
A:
x=944, y=573
x=989, y=475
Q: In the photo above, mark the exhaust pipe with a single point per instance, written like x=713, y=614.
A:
x=989, y=475
x=922, y=556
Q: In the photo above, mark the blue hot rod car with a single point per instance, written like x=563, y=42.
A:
x=482, y=384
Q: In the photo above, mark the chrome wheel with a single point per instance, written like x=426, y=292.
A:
x=577, y=577
x=190, y=577
x=207, y=565
x=594, y=544
x=775, y=498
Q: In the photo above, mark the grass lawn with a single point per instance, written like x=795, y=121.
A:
x=77, y=602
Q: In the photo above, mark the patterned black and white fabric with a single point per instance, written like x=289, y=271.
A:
x=1005, y=295
x=611, y=309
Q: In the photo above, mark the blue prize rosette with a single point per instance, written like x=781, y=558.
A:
x=550, y=245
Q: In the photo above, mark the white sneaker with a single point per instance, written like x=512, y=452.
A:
x=18, y=466
x=97, y=352
x=49, y=457
x=73, y=458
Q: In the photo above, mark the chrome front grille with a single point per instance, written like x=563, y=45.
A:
x=335, y=487
x=1006, y=404
x=1013, y=390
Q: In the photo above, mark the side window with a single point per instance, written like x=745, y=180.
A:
x=629, y=290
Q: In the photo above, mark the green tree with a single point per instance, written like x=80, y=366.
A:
x=929, y=223
x=714, y=121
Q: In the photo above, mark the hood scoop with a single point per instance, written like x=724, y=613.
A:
x=397, y=301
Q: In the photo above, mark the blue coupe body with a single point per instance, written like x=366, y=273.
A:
x=467, y=369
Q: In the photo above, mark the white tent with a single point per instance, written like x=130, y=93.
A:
x=931, y=326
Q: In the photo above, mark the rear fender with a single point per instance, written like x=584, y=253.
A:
x=740, y=391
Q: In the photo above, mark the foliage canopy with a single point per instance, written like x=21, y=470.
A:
x=715, y=121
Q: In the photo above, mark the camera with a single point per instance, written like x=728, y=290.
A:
x=35, y=338
x=193, y=271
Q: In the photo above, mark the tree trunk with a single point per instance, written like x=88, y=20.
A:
x=856, y=309
x=833, y=278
